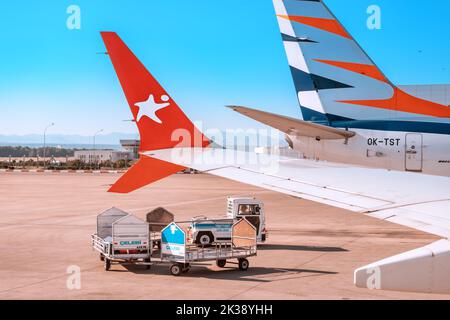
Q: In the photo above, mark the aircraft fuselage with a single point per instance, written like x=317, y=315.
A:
x=403, y=151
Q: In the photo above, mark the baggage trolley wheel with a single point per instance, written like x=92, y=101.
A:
x=102, y=257
x=107, y=264
x=186, y=267
x=243, y=264
x=176, y=269
x=221, y=263
x=148, y=266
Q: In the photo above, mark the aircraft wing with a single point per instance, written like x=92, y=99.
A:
x=410, y=199
x=414, y=200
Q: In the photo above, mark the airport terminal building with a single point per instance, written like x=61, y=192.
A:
x=129, y=152
x=96, y=156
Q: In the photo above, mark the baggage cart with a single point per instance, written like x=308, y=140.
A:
x=122, y=238
x=180, y=255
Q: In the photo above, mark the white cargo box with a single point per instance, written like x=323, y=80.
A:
x=121, y=237
x=130, y=232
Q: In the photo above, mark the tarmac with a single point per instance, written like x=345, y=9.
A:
x=46, y=220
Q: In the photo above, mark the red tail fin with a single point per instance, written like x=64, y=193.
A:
x=157, y=116
x=161, y=123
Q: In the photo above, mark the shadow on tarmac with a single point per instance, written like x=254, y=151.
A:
x=268, y=247
x=230, y=272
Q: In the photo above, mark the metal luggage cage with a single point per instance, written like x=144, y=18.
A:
x=122, y=238
x=176, y=251
x=217, y=251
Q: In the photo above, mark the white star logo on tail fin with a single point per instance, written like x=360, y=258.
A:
x=148, y=108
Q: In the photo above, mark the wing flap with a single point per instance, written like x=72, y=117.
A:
x=359, y=202
x=432, y=217
x=282, y=185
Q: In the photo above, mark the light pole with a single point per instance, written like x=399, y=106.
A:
x=95, y=134
x=45, y=132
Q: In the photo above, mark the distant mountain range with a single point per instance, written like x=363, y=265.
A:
x=63, y=139
x=112, y=140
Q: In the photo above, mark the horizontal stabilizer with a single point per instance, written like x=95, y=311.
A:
x=293, y=126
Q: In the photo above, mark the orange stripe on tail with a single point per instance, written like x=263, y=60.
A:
x=329, y=25
x=364, y=69
x=402, y=101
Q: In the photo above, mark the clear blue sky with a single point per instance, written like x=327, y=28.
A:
x=206, y=53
